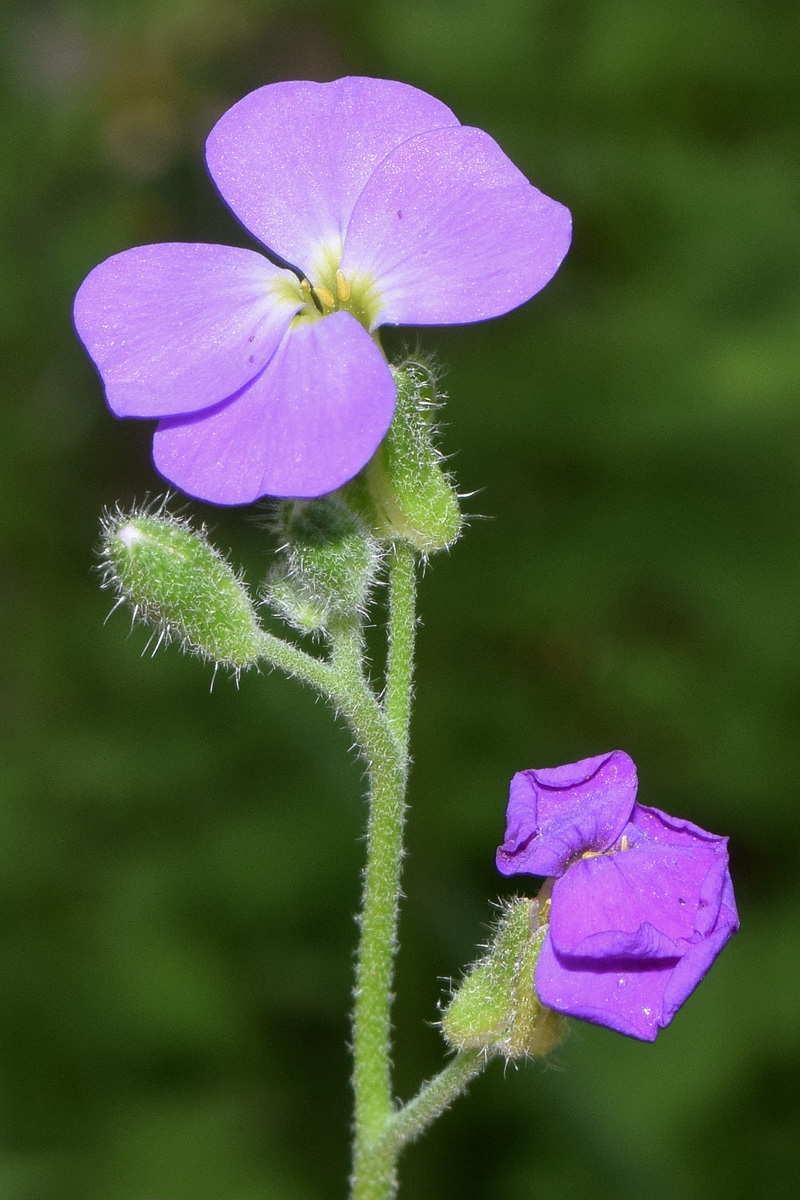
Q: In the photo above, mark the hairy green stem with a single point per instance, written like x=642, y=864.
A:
x=402, y=629
x=373, y=989
x=374, y=1169
x=296, y=662
x=431, y=1101
x=381, y=731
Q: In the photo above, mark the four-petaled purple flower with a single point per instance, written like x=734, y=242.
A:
x=269, y=381
x=642, y=903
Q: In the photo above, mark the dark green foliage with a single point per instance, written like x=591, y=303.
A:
x=178, y=868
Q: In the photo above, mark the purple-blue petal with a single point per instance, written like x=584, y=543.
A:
x=291, y=159
x=450, y=231
x=648, y=901
x=310, y=421
x=174, y=328
x=629, y=999
x=659, y=826
x=633, y=931
x=556, y=814
x=697, y=959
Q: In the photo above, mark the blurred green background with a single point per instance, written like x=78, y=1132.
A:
x=179, y=867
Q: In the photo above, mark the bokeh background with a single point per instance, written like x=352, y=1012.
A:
x=178, y=866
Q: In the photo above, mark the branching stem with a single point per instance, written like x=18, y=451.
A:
x=381, y=731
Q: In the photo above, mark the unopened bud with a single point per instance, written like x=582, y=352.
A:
x=327, y=564
x=496, y=1008
x=177, y=582
x=404, y=490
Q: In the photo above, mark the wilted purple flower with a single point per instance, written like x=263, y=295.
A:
x=642, y=903
x=269, y=381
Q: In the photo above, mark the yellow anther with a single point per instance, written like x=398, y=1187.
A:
x=305, y=288
x=624, y=844
x=342, y=286
x=325, y=296
x=591, y=853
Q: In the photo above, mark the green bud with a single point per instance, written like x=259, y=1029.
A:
x=403, y=491
x=289, y=600
x=327, y=564
x=176, y=581
x=496, y=1008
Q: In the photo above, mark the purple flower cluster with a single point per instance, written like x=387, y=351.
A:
x=642, y=903
x=269, y=381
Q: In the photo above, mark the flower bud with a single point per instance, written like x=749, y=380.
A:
x=496, y=1008
x=328, y=562
x=177, y=582
x=403, y=489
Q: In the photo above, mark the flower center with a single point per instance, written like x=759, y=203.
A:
x=623, y=845
x=323, y=298
x=334, y=292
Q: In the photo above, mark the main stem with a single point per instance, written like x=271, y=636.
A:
x=374, y=1160
x=381, y=731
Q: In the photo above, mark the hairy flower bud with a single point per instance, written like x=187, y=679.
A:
x=177, y=582
x=496, y=1008
x=327, y=563
x=404, y=488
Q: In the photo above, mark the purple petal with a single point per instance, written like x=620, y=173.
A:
x=306, y=425
x=650, y=826
x=644, y=902
x=611, y=994
x=695, y=963
x=174, y=328
x=556, y=814
x=292, y=158
x=450, y=231
x=659, y=826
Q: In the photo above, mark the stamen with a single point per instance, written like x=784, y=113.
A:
x=325, y=296
x=342, y=286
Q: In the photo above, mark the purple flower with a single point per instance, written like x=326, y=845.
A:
x=642, y=902
x=269, y=381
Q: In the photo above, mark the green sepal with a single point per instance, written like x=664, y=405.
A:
x=326, y=565
x=404, y=492
x=495, y=1008
x=178, y=583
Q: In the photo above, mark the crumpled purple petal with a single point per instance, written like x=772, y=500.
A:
x=625, y=996
x=307, y=424
x=694, y=964
x=451, y=231
x=556, y=814
x=660, y=827
x=644, y=902
x=636, y=997
x=653, y=830
x=291, y=159
x=177, y=327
